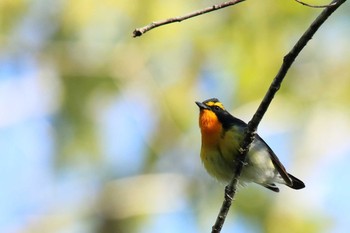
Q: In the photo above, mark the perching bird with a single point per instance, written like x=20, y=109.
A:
x=221, y=135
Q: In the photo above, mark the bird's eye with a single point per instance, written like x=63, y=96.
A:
x=217, y=108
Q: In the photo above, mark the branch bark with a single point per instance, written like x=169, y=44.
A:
x=140, y=31
x=231, y=188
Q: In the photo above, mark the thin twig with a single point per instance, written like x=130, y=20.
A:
x=315, y=6
x=140, y=31
x=231, y=188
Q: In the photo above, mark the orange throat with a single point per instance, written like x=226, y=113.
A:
x=211, y=128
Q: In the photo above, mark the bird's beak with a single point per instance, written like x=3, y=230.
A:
x=201, y=105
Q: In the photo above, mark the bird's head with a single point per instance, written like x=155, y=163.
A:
x=211, y=116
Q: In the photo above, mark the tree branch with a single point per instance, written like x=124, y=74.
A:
x=315, y=6
x=140, y=31
x=231, y=188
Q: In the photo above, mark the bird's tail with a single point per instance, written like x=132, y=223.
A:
x=297, y=184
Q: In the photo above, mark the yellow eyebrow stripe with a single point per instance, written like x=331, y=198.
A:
x=219, y=104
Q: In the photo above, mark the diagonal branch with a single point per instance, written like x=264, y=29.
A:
x=140, y=31
x=288, y=60
x=315, y=6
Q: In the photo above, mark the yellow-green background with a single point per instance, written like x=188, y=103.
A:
x=99, y=132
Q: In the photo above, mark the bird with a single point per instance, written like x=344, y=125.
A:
x=222, y=134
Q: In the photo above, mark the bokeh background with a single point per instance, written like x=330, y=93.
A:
x=99, y=132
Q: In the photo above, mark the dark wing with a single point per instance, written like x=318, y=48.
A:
x=279, y=166
x=228, y=121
